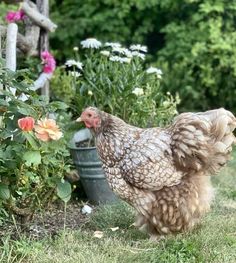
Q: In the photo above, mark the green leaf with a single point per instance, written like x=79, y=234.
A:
x=25, y=108
x=4, y=103
x=64, y=191
x=4, y=192
x=59, y=105
x=30, y=139
x=32, y=158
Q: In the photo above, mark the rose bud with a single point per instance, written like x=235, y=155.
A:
x=26, y=124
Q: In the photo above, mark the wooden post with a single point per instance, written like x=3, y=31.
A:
x=23, y=42
x=1, y=87
x=39, y=18
x=11, y=46
x=43, y=6
x=0, y=43
x=12, y=30
x=32, y=32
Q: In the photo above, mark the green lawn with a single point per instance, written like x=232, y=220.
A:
x=213, y=241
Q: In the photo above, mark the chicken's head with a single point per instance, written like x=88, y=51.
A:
x=91, y=118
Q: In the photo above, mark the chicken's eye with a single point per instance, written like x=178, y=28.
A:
x=89, y=115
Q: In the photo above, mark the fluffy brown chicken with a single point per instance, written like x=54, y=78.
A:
x=164, y=173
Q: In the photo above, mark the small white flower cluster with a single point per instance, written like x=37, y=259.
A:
x=138, y=47
x=122, y=51
x=138, y=91
x=117, y=50
x=72, y=62
x=153, y=70
x=138, y=54
x=116, y=54
x=75, y=74
x=120, y=59
x=77, y=65
x=105, y=53
x=135, y=50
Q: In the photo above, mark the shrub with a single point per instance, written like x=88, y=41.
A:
x=114, y=79
x=195, y=40
x=199, y=54
x=124, y=21
x=33, y=156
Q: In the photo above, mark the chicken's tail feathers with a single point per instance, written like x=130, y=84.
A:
x=202, y=142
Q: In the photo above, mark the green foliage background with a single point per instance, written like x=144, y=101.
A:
x=193, y=41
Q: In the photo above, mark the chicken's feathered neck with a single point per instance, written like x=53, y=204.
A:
x=109, y=124
x=112, y=136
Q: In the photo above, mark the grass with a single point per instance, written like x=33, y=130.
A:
x=214, y=241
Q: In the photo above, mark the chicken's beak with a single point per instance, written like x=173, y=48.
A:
x=79, y=119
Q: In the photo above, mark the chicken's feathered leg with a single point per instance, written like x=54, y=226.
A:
x=175, y=208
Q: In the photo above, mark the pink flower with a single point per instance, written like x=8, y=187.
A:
x=47, y=129
x=12, y=16
x=48, y=61
x=20, y=15
x=26, y=124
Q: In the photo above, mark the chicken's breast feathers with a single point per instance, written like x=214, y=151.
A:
x=148, y=162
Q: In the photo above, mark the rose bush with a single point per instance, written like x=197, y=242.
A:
x=33, y=153
x=114, y=79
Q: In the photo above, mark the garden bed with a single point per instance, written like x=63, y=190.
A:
x=47, y=224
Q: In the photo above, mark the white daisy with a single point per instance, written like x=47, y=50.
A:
x=138, y=91
x=119, y=59
x=72, y=62
x=105, y=53
x=91, y=43
x=123, y=51
x=75, y=74
x=138, y=54
x=125, y=60
x=114, y=58
x=112, y=44
x=138, y=47
x=157, y=71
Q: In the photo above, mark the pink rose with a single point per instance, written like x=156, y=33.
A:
x=26, y=124
x=47, y=129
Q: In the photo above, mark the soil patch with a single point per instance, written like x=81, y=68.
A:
x=48, y=223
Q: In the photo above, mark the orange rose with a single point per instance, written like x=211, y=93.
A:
x=26, y=124
x=47, y=129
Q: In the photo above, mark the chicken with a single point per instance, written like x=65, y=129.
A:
x=164, y=173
